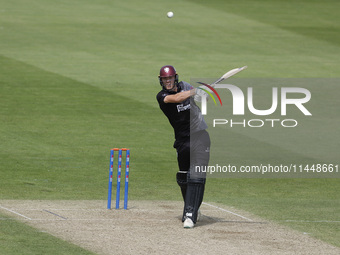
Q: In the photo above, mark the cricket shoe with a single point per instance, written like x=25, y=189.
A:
x=188, y=223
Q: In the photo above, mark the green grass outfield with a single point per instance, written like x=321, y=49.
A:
x=80, y=77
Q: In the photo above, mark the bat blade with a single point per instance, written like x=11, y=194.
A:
x=229, y=74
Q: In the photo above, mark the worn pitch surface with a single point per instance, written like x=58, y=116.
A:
x=150, y=227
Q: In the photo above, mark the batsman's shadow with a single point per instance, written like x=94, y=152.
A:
x=207, y=220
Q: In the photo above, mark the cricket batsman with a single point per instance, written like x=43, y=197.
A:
x=192, y=141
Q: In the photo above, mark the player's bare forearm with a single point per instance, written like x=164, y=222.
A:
x=179, y=97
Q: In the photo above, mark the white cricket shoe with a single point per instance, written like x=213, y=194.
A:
x=188, y=223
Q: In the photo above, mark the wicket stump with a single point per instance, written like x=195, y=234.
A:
x=119, y=173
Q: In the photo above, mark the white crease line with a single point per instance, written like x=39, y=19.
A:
x=15, y=212
x=227, y=211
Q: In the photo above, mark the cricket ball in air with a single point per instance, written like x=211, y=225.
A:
x=170, y=14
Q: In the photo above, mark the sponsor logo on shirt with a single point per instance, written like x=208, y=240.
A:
x=182, y=108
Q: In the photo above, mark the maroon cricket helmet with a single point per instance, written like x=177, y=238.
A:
x=167, y=71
